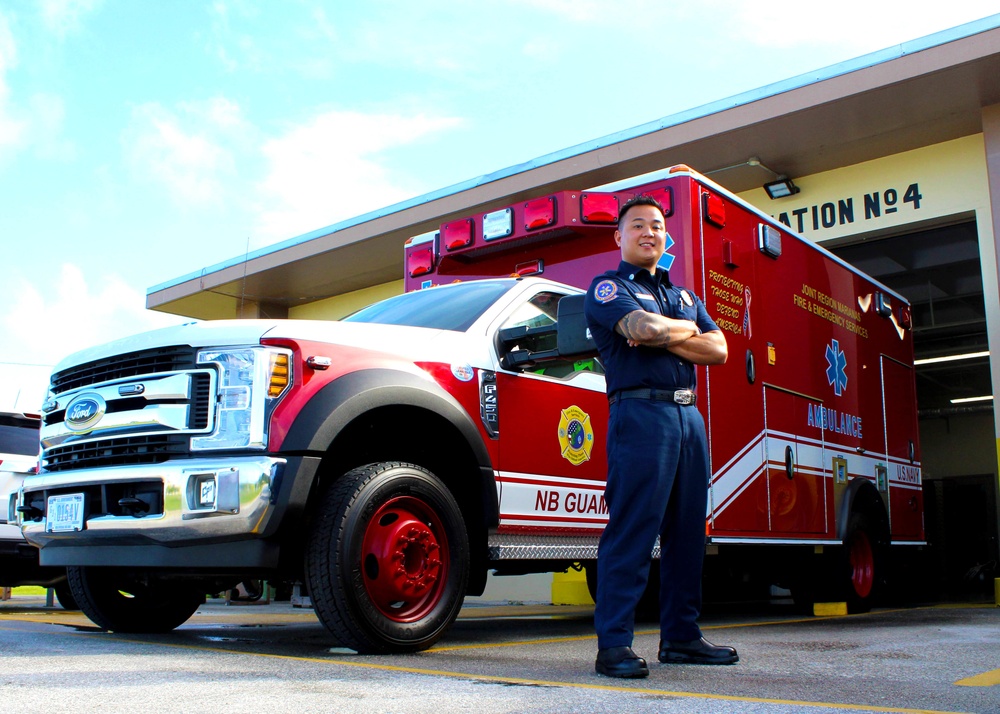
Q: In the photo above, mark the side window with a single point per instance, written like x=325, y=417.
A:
x=536, y=319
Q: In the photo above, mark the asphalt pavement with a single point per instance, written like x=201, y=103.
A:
x=502, y=657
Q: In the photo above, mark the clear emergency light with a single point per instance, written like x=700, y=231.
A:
x=769, y=240
x=498, y=224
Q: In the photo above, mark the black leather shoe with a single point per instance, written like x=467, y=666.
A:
x=699, y=651
x=620, y=662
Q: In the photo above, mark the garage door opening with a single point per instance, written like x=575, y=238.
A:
x=939, y=272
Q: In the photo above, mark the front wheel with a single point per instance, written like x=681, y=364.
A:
x=388, y=559
x=116, y=600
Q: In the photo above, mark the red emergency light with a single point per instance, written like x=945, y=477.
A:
x=457, y=234
x=420, y=262
x=715, y=209
x=906, y=317
x=532, y=267
x=599, y=208
x=539, y=213
x=665, y=196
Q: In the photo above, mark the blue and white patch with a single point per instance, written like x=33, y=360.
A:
x=606, y=291
x=463, y=372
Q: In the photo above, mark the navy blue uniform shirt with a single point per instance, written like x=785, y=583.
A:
x=617, y=293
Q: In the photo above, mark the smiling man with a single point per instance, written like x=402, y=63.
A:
x=651, y=334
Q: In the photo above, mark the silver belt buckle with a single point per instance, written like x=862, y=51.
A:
x=684, y=396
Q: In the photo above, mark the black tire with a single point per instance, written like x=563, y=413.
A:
x=862, y=563
x=387, y=559
x=118, y=601
x=64, y=596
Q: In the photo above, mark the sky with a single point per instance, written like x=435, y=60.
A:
x=141, y=141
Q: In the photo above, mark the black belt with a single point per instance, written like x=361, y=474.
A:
x=684, y=397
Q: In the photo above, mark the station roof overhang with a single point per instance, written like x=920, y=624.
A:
x=909, y=96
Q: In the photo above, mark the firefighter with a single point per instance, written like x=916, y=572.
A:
x=650, y=334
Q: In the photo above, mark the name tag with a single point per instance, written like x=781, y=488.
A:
x=644, y=296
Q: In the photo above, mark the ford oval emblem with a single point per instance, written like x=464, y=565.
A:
x=84, y=411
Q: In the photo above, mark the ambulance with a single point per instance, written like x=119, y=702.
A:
x=390, y=460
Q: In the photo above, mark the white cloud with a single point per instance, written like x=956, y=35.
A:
x=45, y=322
x=63, y=17
x=857, y=26
x=185, y=150
x=12, y=128
x=330, y=169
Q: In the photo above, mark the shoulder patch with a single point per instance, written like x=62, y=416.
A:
x=606, y=291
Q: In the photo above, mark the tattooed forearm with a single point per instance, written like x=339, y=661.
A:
x=639, y=327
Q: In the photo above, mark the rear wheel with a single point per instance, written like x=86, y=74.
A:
x=853, y=573
x=388, y=559
x=863, y=563
x=116, y=600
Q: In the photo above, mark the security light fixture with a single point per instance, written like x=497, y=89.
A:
x=781, y=188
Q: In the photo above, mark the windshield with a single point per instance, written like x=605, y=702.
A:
x=452, y=307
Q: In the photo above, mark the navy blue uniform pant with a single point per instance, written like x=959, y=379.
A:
x=657, y=485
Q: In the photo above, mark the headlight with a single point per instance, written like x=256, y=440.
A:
x=251, y=380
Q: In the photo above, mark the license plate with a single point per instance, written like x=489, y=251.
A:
x=65, y=513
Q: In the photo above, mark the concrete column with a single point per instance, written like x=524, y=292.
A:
x=991, y=260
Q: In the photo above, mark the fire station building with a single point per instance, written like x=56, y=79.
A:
x=891, y=161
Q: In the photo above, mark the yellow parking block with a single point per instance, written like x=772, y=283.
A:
x=829, y=609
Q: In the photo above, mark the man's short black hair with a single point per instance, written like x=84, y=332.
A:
x=640, y=200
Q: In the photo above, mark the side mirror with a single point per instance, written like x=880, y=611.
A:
x=573, y=339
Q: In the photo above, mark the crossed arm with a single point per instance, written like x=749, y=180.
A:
x=681, y=337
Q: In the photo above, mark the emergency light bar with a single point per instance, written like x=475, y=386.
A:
x=562, y=215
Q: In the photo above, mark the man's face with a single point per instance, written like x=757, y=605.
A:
x=642, y=236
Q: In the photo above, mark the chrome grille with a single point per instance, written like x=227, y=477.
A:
x=114, y=452
x=133, y=364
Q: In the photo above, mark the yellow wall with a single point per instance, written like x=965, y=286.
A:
x=342, y=305
x=950, y=177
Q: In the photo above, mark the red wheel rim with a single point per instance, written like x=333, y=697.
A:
x=404, y=559
x=862, y=564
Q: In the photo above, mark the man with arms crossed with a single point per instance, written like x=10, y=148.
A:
x=651, y=334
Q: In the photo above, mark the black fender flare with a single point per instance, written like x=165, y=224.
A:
x=350, y=396
x=862, y=496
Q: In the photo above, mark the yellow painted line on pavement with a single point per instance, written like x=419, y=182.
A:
x=548, y=683
x=986, y=679
x=536, y=682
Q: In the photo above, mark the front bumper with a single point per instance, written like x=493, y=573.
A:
x=244, y=505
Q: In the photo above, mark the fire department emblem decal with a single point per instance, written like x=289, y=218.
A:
x=576, y=436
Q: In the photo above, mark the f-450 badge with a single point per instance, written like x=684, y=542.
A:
x=576, y=436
